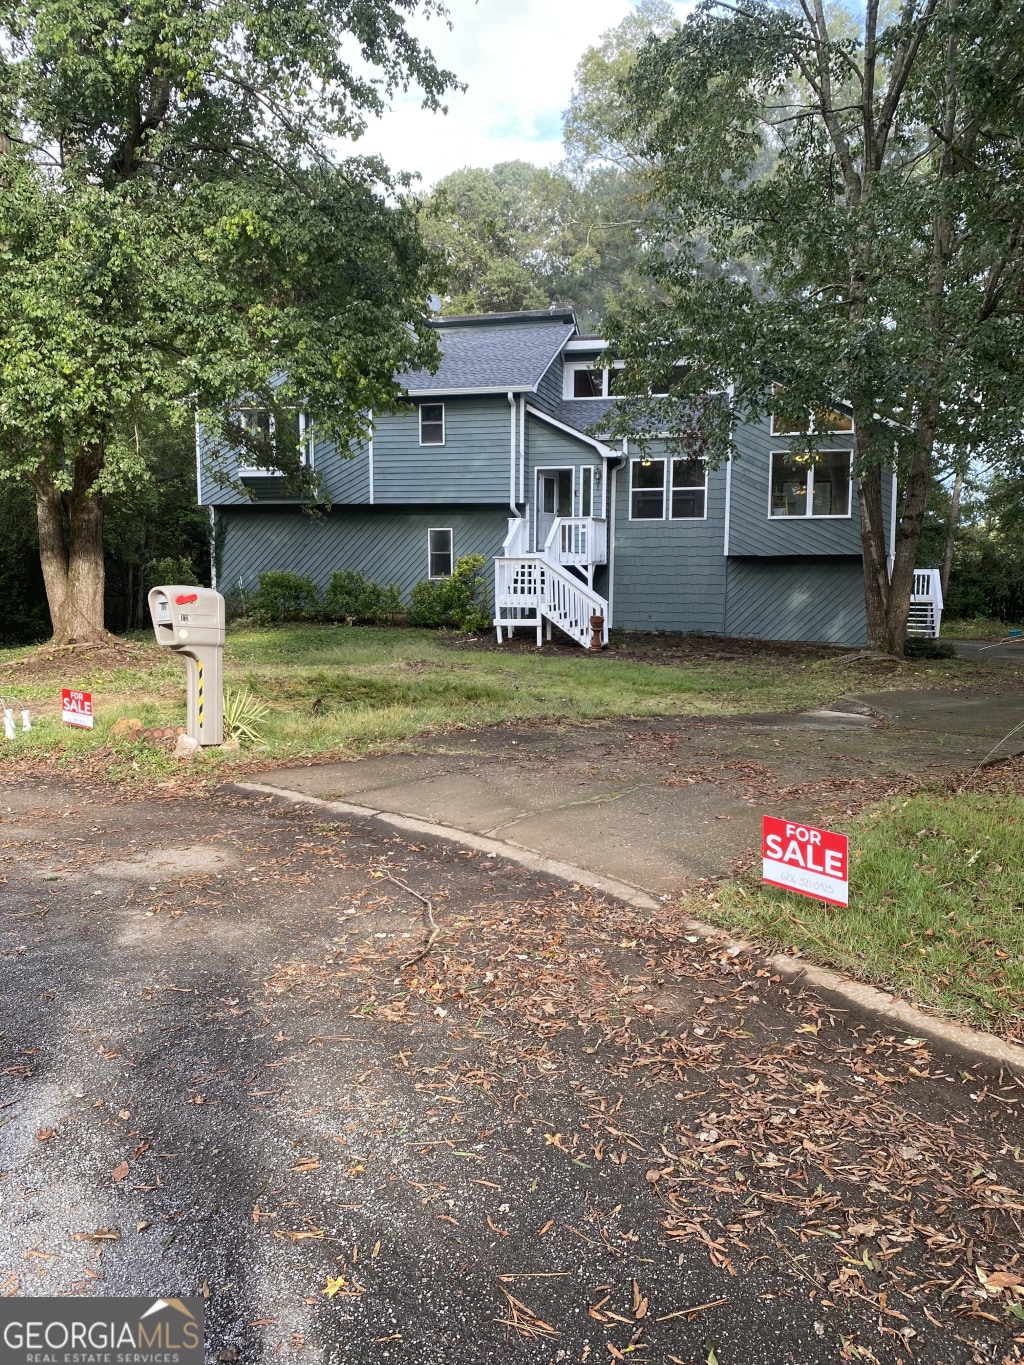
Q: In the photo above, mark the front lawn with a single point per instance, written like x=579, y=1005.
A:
x=336, y=690
x=936, y=902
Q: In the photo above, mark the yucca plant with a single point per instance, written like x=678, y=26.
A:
x=244, y=715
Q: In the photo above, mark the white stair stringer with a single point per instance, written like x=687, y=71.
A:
x=529, y=591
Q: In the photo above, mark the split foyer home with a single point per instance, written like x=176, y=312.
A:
x=495, y=456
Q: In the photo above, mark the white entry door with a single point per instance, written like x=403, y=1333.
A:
x=554, y=499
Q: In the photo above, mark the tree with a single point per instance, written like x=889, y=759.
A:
x=174, y=235
x=870, y=168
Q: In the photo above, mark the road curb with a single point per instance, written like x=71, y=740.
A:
x=971, y=1043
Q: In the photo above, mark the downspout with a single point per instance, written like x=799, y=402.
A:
x=892, y=525
x=369, y=459
x=613, y=472
x=512, y=454
x=728, y=503
x=522, y=450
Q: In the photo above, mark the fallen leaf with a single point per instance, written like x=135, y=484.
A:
x=120, y=1170
x=334, y=1286
x=44, y=1134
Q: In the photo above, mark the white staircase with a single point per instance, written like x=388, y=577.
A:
x=534, y=590
x=925, y=618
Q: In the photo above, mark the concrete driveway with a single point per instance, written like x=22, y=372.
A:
x=661, y=803
x=380, y=1098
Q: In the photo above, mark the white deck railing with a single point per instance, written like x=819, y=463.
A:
x=925, y=616
x=517, y=542
x=577, y=541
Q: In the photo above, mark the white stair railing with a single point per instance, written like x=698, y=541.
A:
x=925, y=616
x=517, y=542
x=530, y=591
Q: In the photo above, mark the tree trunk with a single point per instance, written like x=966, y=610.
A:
x=887, y=595
x=951, y=525
x=53, y=555
x=73, y=569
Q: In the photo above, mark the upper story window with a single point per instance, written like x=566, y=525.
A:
x=587, y=380
x=262, y=428
x=663, y=489
x=806, y=486
x=431, y=424
x=819, y=421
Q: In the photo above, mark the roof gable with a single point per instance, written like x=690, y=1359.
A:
x=511, y=351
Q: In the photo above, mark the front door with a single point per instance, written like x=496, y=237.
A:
x=554, y=499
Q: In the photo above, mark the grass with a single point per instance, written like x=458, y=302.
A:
x=936, y=905
x=336, y=690
x=977, y=628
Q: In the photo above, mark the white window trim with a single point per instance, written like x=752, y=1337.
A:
x=810, y=515
x=666, y=491
x=444, y=425
x=572, y=366
x=441, y=578
x=306, y=442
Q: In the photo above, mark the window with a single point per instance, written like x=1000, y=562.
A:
x=431, y=424
x=588, y=384
x=689, y=488
x=588, y=380
x=586, y=491
x=262, y=430
x=818, y=421
x=439, y=552
x=647, y=499
x=687, y=494
x=806, y=486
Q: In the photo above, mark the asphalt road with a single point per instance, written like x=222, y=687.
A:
x=242, y=1057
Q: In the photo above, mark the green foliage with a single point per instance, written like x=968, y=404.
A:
x=351, y=597
x=820, y=219
x=921, y=647
x=171, y=569
x=284, y=596
x=520, y=236
x=177, y=235
x=23, y=615
x=244, y=715
x=459, y=602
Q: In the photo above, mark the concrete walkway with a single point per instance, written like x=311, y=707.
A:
x=661, y=803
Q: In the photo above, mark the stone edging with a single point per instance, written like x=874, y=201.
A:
x=972, y=1043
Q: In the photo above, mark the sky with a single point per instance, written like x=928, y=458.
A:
x=517, y=58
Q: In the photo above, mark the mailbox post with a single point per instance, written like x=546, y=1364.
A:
x=191, y=622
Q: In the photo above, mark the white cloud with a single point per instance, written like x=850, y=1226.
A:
x=517, y=58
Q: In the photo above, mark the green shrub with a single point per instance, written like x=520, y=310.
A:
x=285, y=596
x=173, y=569
x=351, y=597
x=459, y=602
x=924, y=647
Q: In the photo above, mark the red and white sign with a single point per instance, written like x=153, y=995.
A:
x=812, y=862
x=76, y=707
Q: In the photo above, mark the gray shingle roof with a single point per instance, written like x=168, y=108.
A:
x=499, y=357
x=581, y=413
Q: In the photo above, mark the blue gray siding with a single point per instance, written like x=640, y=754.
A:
x=471, y=467
x=669, y=575
x=549, y=390
x=385, y=544
x=806, y=599
x=753, y=532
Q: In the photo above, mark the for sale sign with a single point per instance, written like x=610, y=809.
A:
x=812, y=862
x=76, y=708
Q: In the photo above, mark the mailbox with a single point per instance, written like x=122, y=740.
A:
x=190, y=621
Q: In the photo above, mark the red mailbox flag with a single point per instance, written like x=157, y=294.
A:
x=812, y=862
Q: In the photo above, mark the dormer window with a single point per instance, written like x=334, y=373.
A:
x=587, y=380
x=431, y=424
